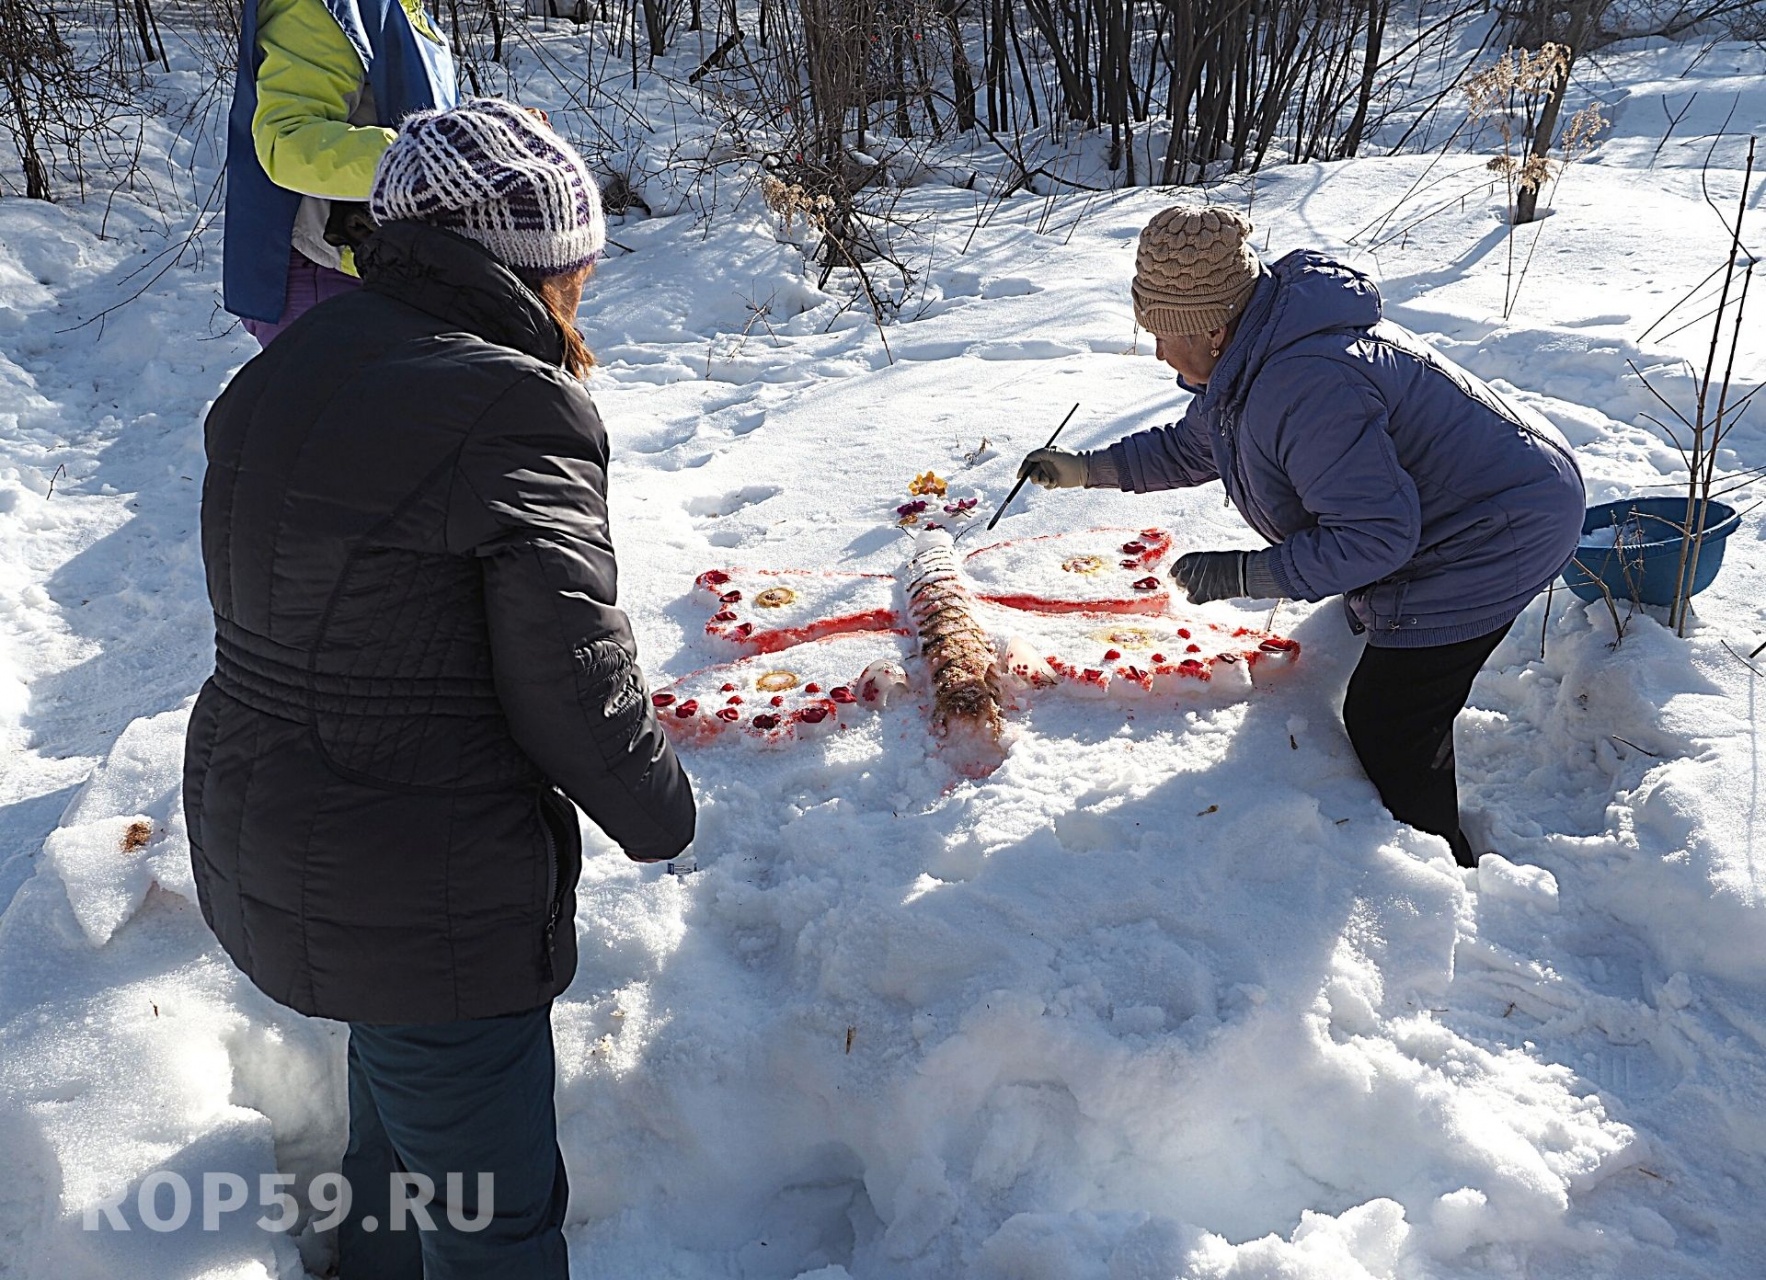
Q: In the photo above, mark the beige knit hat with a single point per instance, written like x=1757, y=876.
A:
x=1194, y=271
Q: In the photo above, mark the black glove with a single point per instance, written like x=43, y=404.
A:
x=1054, y=469
x=348, y=225
x=1211, y=575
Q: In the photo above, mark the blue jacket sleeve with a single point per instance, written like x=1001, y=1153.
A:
x=1322, y=429
x=1177, y=456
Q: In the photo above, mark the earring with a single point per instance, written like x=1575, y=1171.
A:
x=1215, y=352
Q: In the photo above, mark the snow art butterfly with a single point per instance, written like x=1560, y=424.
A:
x=970, y=636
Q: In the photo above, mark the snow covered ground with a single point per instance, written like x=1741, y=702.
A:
x=1168, y=994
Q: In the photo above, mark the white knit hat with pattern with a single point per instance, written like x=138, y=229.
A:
x=1194, y=270
x=495, y=173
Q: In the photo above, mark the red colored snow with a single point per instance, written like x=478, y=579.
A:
x=771, y=641
x=1042, y=604
x=1150, y=547
x=742, y=620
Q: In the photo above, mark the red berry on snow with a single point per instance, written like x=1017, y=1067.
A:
x=661, y=699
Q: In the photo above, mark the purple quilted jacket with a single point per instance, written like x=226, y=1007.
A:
x=1379, y=469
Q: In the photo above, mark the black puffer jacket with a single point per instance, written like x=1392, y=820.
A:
x=404, y=524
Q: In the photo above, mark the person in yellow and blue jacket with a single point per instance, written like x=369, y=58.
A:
x=322, y=84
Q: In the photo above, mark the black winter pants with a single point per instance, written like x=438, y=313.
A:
x=1399, y=712
x=462, y=1099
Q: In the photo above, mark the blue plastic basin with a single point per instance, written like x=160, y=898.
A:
x=1643, y=564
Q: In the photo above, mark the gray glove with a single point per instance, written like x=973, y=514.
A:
x=1225, y=575
x=1054, y=469
x=1210, y=575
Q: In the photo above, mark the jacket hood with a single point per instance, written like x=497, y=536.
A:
x=459, y=281
x=1302, y=294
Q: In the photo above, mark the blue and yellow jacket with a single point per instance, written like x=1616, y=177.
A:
x=320, y=83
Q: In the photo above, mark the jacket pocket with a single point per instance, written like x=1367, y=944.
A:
x=1380, y=607
x=564, y=861
x=1463, y=544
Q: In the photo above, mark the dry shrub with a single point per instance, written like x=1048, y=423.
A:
x=790, y=201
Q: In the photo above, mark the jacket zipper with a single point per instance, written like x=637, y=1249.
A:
x=554, y=901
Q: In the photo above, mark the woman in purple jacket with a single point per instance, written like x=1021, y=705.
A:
x=1379, y=471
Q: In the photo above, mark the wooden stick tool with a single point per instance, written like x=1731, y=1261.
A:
x=1022, y=479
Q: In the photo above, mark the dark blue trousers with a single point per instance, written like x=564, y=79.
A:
x=462, y=1099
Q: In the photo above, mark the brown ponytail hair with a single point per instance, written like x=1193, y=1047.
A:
x=559, y=294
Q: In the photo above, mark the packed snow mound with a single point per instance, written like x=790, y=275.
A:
x=124, y=833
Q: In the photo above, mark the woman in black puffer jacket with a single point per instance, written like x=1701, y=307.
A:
x=405, y=531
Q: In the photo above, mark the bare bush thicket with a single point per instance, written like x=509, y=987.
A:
x=1222, y=85
x=1177, y=89
x=71, y=80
